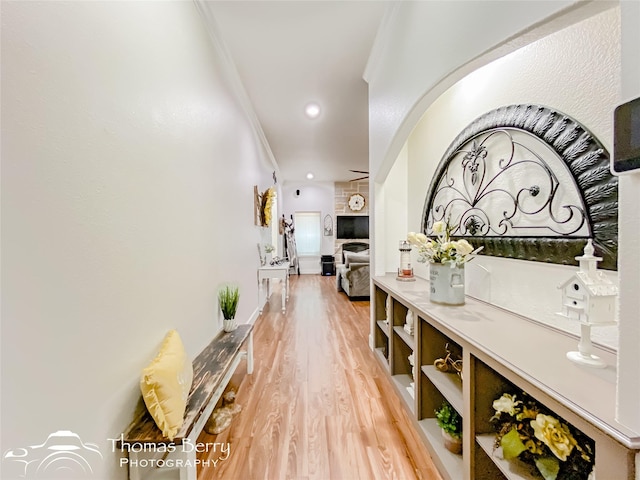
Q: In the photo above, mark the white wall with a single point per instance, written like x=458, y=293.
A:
x=629, y=253
x=396, y=193
x=127, y=197
x=559, y=71
x=424, y=47
x=314, y=197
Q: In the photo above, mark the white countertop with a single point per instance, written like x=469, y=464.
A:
x=534, y=351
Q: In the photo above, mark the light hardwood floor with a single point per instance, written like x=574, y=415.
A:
x=318, y=405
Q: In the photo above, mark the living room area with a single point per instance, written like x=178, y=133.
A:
x=336, y=241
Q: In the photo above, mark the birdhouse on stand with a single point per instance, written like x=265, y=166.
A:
x=590, y=298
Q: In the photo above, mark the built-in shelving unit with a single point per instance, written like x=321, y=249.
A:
x=493, y=363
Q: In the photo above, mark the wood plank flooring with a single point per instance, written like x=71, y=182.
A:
x=318, y=405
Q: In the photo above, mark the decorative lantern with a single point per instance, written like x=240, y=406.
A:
x=405, y=272
x=590, y=298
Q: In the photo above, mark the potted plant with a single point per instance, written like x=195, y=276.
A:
x=268, y=250
x=451, y=424
x=228, y=297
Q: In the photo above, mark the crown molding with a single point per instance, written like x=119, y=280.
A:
x=231, y=72
x=380, y=42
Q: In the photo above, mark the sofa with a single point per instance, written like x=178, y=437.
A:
x=353, y=275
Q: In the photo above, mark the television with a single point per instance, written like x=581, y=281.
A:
x=626, y=137
x=352, y=226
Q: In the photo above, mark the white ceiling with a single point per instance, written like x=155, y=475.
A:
x=289, y=53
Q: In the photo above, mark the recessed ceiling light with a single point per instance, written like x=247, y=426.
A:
x=310, y=176
x=312, y=110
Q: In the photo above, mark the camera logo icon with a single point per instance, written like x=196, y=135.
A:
x=63, y=456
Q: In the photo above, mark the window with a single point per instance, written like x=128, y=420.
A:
x=307, y=232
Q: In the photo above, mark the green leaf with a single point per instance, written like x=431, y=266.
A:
x=511, y=445
x=548, y=467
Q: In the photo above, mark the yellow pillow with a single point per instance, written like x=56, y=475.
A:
x=165, y=385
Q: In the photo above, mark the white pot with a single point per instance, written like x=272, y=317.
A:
x=446, y=284
x=229, y=325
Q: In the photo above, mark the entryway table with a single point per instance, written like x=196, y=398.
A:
x=268, y=272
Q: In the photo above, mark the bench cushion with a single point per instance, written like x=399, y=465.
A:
x=165, y=385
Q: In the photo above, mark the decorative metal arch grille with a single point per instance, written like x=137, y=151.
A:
x=527, y=182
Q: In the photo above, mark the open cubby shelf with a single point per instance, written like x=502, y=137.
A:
x=481, y=335
x=450, y=465
x=406, y=338
x=448, y=384
x=384, y=327
x=402, y=384
x=512, y=470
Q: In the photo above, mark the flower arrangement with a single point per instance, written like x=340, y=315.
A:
x=269, y=248
x=442, y=249
x=266, y=200
x=528, y=431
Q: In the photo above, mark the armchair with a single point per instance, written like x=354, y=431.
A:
x=353, y=276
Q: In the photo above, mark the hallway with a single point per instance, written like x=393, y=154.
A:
x=318, y=405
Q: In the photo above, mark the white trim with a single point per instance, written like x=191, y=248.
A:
x=380, y=42
x=254, y=316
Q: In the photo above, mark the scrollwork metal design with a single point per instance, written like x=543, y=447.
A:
x=527, y=182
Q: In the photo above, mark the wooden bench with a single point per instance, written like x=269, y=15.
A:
x=212, y=370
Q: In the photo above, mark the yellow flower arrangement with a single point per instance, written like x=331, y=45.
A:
x=528, y=431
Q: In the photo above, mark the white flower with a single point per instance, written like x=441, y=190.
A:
x=417, y=239
x=506, y=404
x=463, y=247
x=442, y=250
x=554, y=435
x=439, y=228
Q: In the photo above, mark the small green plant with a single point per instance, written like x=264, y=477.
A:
x=449, y=420
x=228, y=297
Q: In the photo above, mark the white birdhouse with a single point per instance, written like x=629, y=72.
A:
x=590, y=298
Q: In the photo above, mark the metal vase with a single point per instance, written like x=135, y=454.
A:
x=446, y=284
